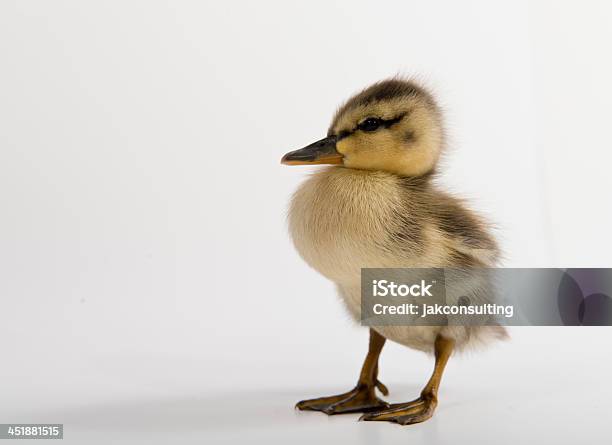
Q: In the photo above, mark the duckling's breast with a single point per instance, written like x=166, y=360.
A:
x=342, y=220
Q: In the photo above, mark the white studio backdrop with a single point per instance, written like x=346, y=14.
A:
x=143, y=247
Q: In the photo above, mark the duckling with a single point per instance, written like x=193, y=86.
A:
x=376, y=206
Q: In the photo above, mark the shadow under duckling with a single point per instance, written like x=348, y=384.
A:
x=377, y=207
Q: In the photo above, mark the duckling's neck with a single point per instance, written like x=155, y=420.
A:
x=361, y=181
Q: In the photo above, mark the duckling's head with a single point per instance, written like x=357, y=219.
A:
x=393, y=125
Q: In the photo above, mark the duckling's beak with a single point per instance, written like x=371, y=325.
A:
x=320, y=152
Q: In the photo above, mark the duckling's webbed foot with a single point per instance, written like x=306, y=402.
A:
x=408, y=413
x=360, y=399
x=422, y=408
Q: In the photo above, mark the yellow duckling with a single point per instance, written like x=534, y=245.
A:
x=378, y=207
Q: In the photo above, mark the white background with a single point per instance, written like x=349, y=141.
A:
x=148, y=288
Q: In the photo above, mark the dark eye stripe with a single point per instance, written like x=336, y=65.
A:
x=384, y=122
x=373, y=123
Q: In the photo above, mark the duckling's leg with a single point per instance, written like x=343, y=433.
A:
x=362, y=397
x=422, y=408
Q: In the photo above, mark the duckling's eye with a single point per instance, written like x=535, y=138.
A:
x=370, y=124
